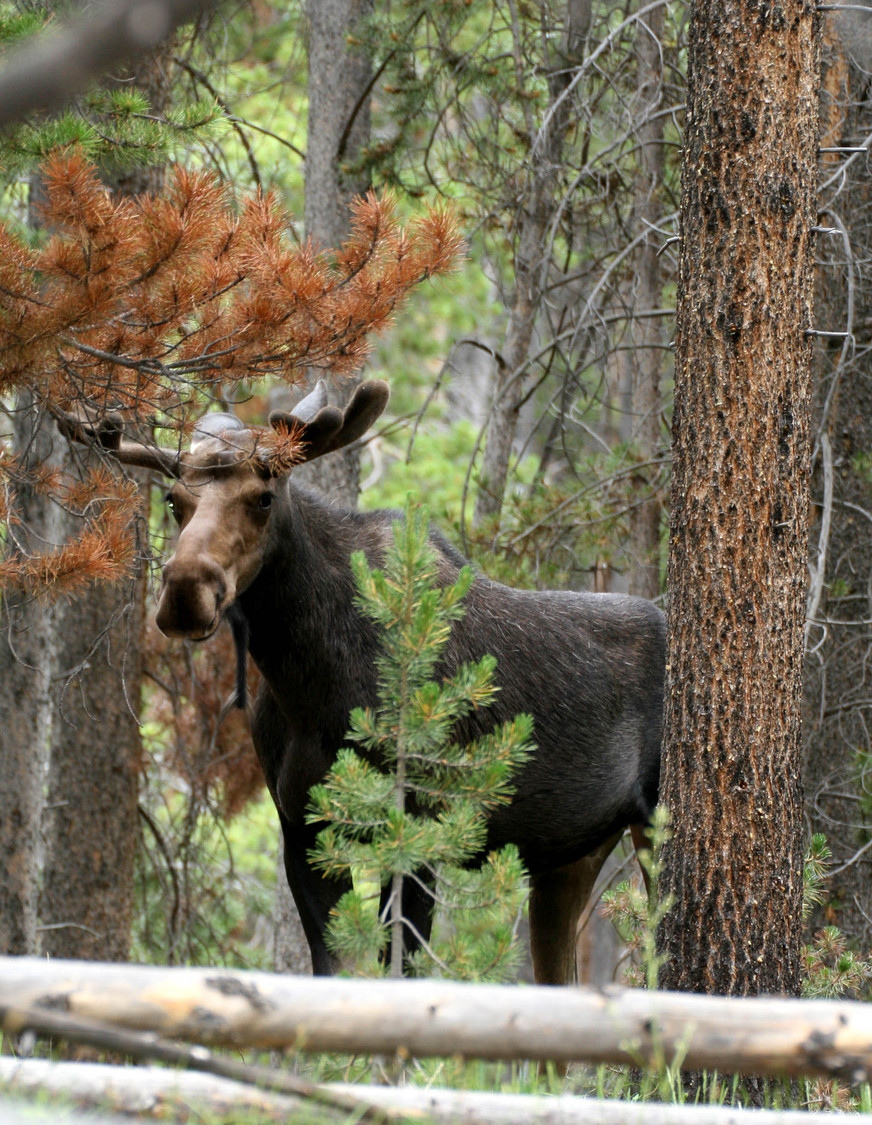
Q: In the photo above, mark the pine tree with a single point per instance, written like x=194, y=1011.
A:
x=412, y=804
x=738, y=546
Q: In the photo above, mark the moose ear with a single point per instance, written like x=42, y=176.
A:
x=323, y=428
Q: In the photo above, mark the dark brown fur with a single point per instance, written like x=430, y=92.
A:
x=587, y=667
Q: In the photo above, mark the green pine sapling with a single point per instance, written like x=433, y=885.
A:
x=412, y=803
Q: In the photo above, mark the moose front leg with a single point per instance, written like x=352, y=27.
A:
x=314, y=895
x=557, y=899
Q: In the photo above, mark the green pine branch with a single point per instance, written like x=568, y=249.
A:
x=411, y=802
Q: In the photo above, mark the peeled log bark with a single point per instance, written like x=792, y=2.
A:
x=435, y=1018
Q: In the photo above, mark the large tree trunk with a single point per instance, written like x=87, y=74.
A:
x=340, y=79
x=91, y=824
x=738, y=535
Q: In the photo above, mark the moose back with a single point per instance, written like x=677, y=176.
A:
x=588, y=667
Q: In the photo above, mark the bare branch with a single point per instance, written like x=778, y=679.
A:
x=819, y=567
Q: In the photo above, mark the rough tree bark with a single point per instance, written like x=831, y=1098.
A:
x=738, y=533
x=91, y=820
x=340, y=79
x=91, y=823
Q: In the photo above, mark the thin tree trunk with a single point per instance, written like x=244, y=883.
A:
x=290, y=948
x=646, y=402
x=338, y=132
x=837, y=709
x=534, y=210
x=165, y=1094
x=91, y=823
x=337, y=135
x=28, y=635
x=339, y=117
x=738, y=537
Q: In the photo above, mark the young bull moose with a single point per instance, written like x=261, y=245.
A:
x=588, y=667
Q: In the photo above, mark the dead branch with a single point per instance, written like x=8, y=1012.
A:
x=146, y=1045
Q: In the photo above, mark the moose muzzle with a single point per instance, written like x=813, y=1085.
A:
x=193, y=596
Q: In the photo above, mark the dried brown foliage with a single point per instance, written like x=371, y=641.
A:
x=212, y=754
x=104, y=551
x=154, y=305
x=133, y=299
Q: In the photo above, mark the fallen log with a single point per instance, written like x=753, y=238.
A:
x=158, y=1093
x=152, y=1091
x=438, y=1018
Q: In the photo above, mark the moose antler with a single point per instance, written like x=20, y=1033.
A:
x=322, y=428
x=106, y=433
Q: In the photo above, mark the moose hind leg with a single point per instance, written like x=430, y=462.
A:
x=557, y=899
x=642, y=842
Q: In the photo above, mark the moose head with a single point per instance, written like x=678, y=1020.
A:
x=223, y=494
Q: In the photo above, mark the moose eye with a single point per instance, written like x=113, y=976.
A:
x=171, y=504
x=265, y=500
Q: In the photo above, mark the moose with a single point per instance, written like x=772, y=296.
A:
x=274, y=558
